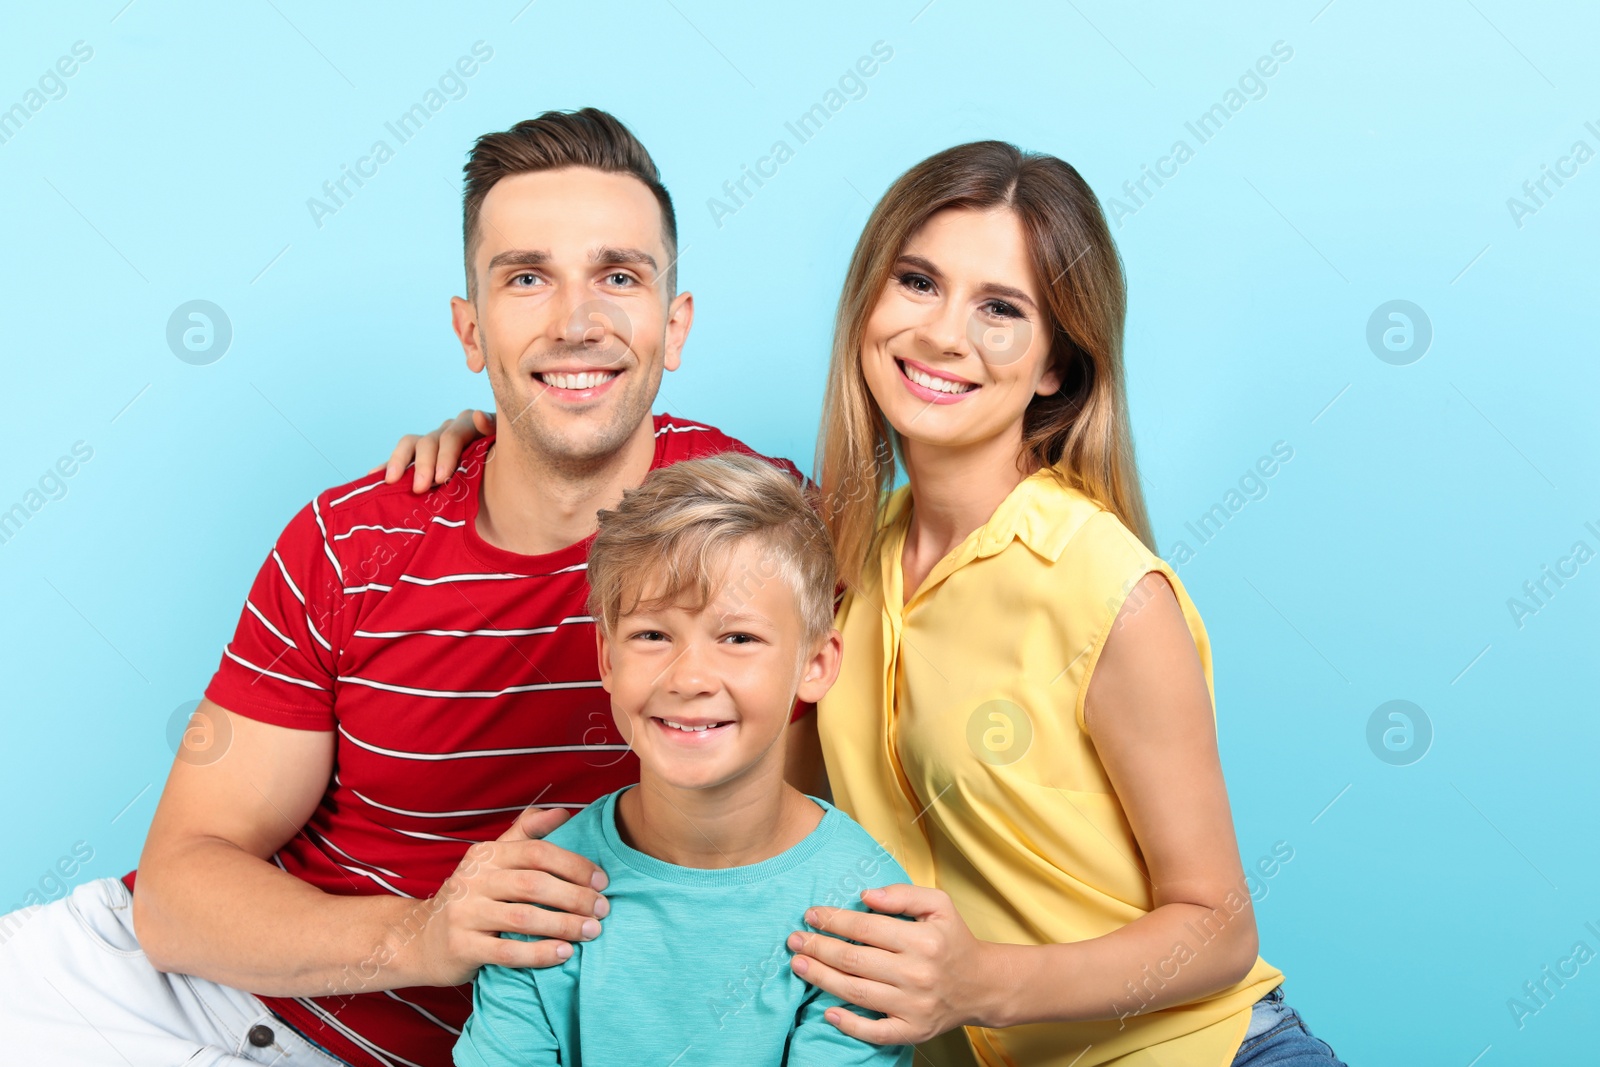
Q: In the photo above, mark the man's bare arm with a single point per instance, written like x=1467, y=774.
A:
x=210, y=902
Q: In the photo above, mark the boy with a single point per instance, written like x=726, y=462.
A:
x=712, y=592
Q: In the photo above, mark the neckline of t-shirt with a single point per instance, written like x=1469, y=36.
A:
x=515, y=562
x=661, y=870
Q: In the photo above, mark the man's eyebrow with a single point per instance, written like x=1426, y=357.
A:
x=1010, y=292
x=617, y=257
x=520, y=257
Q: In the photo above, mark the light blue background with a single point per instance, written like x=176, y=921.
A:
x=1377, y=166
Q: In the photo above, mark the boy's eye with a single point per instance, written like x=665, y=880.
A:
x=741, y=639
x=649, y=635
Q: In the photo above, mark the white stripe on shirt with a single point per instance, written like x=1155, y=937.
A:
x=509, y=690
x=353, y=859
x=316, y=511
x=228, y=651
x=295, y=589
x=382, y=1055
x=453, y=814
x=476, y=753
x=424, y=1012
x=444, y=578
x=279, y=634
x=380, y=529
x=475, y=633
x=368, y=874
x=356, y=492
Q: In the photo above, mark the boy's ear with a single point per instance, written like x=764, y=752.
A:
x=603, y=650
x=821, y=668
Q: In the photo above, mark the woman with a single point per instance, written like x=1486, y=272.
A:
x=1024, y=714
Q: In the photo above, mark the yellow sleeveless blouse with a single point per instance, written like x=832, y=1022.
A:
x=955, y=735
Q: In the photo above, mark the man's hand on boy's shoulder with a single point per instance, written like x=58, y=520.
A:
x=517, y=883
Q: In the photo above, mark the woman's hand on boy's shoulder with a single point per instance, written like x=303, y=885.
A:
x=924, y=977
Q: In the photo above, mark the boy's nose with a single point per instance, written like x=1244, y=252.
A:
x=687, y=675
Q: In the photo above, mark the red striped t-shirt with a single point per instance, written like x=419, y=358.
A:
x=462, y=685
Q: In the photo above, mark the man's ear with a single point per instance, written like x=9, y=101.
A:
x=464, y=320
x=603, y=650
x=821, y=668
x=680, y=316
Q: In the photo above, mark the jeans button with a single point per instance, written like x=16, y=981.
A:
x=260, y=1036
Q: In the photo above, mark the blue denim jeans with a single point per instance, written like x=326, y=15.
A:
x=1278, y=1037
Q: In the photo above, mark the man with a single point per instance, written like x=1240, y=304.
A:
x=408, y=674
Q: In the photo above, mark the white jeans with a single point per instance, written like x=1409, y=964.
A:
x=76, y=989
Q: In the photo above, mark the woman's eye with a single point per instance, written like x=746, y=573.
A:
x=920, y=283
x=1002, y=310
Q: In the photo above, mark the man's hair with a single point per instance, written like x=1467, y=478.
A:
x=671, y=538
x=557, y=139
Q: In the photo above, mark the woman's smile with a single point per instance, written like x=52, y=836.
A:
x=925, y=383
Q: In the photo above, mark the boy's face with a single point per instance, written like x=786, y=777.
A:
x=704, y=697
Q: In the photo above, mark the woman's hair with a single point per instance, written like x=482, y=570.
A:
x=668, y=542
x=1081, y=432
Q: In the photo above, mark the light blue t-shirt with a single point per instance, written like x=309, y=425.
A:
x=690, y=967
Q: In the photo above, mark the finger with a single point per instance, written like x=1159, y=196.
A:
x=903, y=899
x=542, y=922
x=533, y=823
x=400, y=458
x=879, y=931
x=862, y=992
x=510, y=952
x=541, y=856
x=454, y=436
x=484, y=421
x=422, y=473
x=885, y=1031
x=863, y=961
x=541, y=887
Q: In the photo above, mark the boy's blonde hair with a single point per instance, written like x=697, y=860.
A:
x=671, y=538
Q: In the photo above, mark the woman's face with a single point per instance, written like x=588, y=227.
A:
x=959, y=341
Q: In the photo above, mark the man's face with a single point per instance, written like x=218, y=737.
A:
x=703, y=697
x=572, y=318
